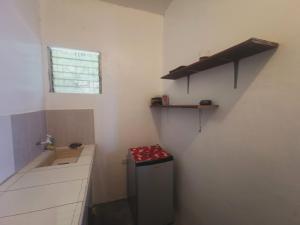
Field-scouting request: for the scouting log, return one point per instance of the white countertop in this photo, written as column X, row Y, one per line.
column 54, row 195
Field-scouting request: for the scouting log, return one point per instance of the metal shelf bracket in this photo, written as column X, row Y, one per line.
column 188, row 84
column 236, row 72
column 200, row 120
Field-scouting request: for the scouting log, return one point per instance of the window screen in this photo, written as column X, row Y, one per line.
column 74, row 71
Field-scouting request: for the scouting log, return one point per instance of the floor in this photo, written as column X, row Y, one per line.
column 113, row 213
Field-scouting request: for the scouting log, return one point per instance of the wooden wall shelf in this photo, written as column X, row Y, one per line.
column 186, row 106
column 234, row 54
column 200, row 108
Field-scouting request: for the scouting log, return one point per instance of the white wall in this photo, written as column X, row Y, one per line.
column 20, row 57
column 21, row 86
column 244, row 167
column 130, row 42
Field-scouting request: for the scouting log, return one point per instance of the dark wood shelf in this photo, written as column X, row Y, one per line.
column 245, row 49
column 186, row 106
column 200, row 108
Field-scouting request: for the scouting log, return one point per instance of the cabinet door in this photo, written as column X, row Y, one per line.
column 131, row 186
column 155, row 194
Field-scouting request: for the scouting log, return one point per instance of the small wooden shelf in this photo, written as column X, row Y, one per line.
column 234, row 54
column 186, row 106
column 200, row 108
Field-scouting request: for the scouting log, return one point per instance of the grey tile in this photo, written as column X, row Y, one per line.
column 7, row 167
column 20, row 133
column 27, row 129
column 69, row 126
column 37, row 122
column 66, row 125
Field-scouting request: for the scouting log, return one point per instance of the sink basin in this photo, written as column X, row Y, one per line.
column 61, row 156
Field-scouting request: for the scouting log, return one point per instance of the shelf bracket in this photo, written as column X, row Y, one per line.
column 200, row 120
column 188, row 84
column 236, row 72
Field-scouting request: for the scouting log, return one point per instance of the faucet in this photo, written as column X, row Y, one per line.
column 49, row 141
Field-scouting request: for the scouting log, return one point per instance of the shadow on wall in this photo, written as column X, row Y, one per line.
column 215, row 84
column 30, row 20
column 178, row 129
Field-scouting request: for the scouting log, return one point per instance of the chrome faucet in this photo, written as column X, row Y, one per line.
column 49, row 141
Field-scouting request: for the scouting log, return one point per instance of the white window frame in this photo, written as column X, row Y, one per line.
column 51, row 76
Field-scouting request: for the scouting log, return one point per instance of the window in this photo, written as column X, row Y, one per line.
column 74, row 71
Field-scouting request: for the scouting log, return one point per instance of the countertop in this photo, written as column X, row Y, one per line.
column 54, row 195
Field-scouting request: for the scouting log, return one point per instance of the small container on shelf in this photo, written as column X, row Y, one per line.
column 206, row 102
column 165, row 100
column 156, row 101
column 203, row 58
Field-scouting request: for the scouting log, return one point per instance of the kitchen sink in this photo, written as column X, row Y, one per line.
column 61, row 156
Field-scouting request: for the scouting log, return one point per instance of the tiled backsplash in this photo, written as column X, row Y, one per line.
column 19, row 134
column 27, row 130
column 7, row 165
column 69, row 126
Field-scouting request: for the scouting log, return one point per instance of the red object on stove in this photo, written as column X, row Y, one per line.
column 152, row 153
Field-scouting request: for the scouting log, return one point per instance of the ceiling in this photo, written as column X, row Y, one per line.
column 154, row 6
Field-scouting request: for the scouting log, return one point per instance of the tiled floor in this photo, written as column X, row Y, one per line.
column 113, row 213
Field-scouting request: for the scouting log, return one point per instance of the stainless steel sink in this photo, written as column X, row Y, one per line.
column 61, row 156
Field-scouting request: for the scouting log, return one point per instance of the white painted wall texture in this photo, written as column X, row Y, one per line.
column 21, row 86
column 130, row 42
column 244, row 166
